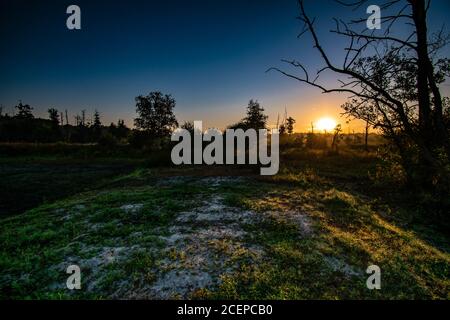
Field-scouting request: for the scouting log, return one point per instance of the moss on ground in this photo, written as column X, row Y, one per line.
column 121, row 231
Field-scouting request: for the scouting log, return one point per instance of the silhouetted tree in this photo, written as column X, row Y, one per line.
column 83, row 118
column 121, row 130
column 67, row 118
column 366, row 136
column 53, row 115
column 336, row 137
column 78, row 120
column 396, row 87
column 54, row 120
column 189, row 126
column 255, row 118
column 290, row 125
column 96, row 128
column 155, row 114
column 97, row 123
column 238, row 125
column 24, row 111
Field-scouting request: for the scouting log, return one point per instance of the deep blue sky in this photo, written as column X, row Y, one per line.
column 210, row 55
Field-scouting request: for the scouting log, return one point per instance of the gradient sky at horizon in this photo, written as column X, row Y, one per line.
column 212, row 56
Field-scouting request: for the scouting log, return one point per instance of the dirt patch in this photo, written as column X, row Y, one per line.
column 342, row 266
column 199, row 247
column 299, row 219
column 93, row 269
column 132, row 208
column 203, row 244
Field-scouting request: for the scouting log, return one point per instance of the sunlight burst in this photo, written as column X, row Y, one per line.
column 326, row 124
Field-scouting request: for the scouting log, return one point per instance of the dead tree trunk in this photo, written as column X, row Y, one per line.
column 366, row 137
column 419, row 16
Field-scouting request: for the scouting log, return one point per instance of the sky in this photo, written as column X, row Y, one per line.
column 211, row 56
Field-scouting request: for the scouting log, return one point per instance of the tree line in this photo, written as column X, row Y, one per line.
column 23, row 126
column 154, row 123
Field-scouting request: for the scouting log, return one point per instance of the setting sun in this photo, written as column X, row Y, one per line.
column 326, row 124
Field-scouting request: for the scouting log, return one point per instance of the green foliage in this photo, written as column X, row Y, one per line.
column 349, row 225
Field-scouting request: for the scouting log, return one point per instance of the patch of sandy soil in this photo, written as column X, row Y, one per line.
column 341, row 266
column 200, row 246
column 203, row 244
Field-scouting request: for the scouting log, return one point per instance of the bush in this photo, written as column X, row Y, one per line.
column 107, row 140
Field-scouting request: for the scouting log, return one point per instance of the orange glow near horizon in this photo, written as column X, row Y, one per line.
column 326, row 124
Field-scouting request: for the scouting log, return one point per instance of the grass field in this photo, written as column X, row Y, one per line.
column 137, row 232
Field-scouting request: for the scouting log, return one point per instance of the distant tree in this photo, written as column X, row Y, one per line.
column 97, row 123
column 121, row 129
column 95, row 127
column 290, row 125
column 78, row 120
column 24, row 111
column 83, row 118
column 282, row 129
column 336, row 138
column 55, row 133
column 155, row 114
column 238, row 125
column 188, row 125
column 366, row 136
column 255, row 118
column 67, row 119
column 53, row 115
column 121, row 124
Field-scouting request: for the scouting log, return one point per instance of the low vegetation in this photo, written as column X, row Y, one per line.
column 206, row 233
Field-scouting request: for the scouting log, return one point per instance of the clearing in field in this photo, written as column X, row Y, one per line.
column 157, row 234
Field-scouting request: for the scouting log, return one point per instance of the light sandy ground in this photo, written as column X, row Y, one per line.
column 202, row 245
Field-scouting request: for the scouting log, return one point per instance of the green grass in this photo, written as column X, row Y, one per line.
column 45, row 236
column 347, row 230
column 349, row 227
column 29, row 182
